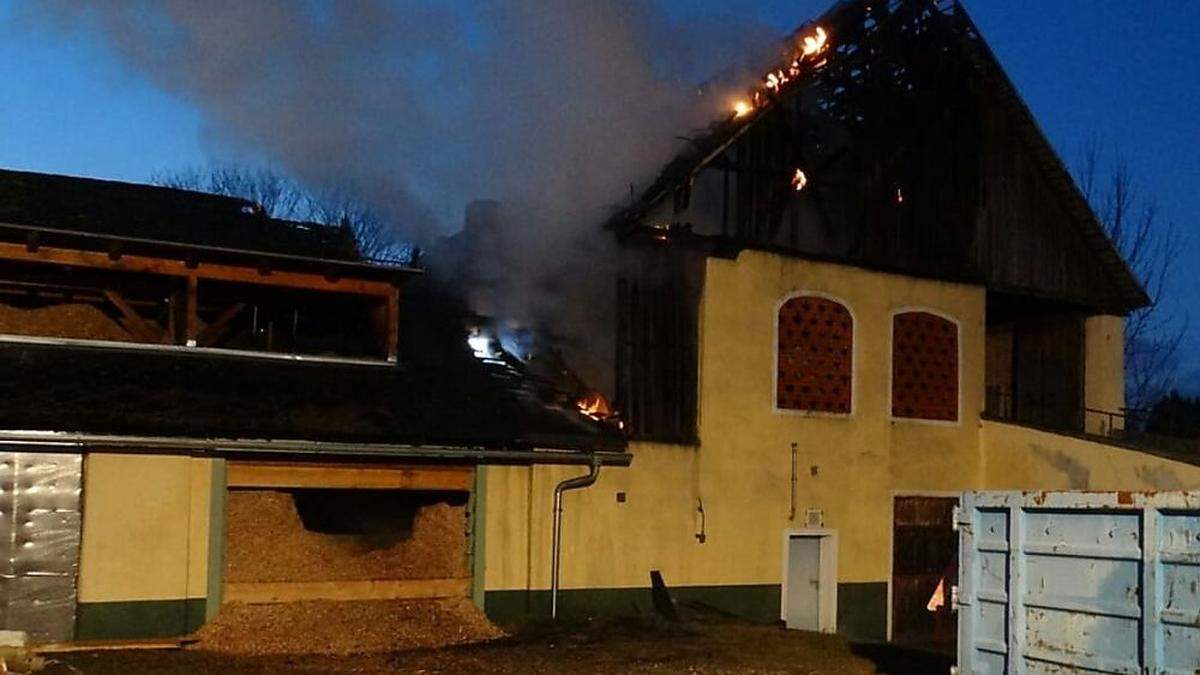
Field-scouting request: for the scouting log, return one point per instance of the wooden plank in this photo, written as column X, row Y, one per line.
column 216, row 330
column 111, row 645
column 272, row 592
column 348, row 476
column 141, row 328
column 179, row 268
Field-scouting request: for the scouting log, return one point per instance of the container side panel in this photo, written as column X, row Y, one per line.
column 1082, row 603
column 1179, row 592
column 984, row 581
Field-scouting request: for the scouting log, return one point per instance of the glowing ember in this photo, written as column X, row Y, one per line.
column 899, row 196
column 800, row 180
column 742, row 108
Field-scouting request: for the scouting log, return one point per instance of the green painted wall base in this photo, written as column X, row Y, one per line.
column 138, row 619
column 862, row 608
column 756, row 603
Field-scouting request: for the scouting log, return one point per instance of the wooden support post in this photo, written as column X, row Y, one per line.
column 393, row 325
column 191, row 321
column 385, row 320
column 184, row 322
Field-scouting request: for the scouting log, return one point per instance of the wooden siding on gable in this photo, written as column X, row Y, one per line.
column 921, row 159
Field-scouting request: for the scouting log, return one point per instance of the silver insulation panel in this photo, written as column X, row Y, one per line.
column 40, row 522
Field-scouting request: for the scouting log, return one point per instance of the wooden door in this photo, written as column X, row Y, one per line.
column 924, row 555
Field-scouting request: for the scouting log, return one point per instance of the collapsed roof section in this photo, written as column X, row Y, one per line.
column 903, row 146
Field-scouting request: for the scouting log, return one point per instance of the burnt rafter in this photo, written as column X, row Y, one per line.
column 920, row 159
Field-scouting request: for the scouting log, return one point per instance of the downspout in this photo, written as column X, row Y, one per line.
column 575, row 483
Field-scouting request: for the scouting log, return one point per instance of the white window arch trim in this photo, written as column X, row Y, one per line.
column 791, row 412
column 958, row 366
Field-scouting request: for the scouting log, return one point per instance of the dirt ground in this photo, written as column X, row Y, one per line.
column 708, row 645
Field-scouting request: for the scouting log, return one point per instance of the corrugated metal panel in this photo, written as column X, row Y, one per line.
column 39, row 542
column 1079, row 582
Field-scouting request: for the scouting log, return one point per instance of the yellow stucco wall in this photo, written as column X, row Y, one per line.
column 1019, row 458
column 606, row 544
column 848, row 467
column 1104, row 368
column 851, row 468
column 145, row 528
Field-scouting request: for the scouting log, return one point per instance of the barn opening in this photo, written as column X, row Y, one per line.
column 924, row 568
column 348, row 533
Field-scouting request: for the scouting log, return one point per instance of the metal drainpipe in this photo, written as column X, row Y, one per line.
column 568, row 484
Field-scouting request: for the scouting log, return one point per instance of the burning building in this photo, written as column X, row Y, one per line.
column 203, row 405
column 870, row 286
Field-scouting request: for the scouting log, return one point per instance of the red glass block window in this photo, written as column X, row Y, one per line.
column 816, row 351
column 924, row 367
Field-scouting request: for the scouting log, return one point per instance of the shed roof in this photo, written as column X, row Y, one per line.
column 150, row 216
column 444, row 403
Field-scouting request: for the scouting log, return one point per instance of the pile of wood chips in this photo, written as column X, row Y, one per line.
column 265, row 520
column 66, row 321
column 341, row 628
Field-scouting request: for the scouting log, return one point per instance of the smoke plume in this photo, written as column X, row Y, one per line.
column 419, row 107
column 557, row 109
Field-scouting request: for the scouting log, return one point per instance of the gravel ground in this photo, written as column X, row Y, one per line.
column 704, row 645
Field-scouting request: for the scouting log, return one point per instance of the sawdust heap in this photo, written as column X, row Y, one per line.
column 339, row 628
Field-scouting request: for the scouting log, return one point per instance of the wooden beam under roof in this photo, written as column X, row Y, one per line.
column 178, row 268
column 295, row 475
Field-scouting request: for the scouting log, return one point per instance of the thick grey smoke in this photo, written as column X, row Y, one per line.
column 419, row 106
column 555, row 108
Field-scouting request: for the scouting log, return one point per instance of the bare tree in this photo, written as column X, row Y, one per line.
column 1152, row 248
column 283, row 197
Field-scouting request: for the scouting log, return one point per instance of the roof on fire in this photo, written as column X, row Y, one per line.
column 706, row 149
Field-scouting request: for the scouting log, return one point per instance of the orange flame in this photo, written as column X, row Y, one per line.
column 810, row 45
column 595, row 406
column 815, row 44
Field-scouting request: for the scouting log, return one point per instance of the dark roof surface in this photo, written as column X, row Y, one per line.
column 148, row 212
column 118, row 392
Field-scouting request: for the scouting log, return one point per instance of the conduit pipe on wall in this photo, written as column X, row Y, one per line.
column 575, row 483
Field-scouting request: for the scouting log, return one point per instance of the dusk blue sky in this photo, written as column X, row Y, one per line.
column 1124, row 73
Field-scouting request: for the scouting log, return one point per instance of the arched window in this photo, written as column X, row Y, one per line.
column 815, row 359
column 924, row 367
